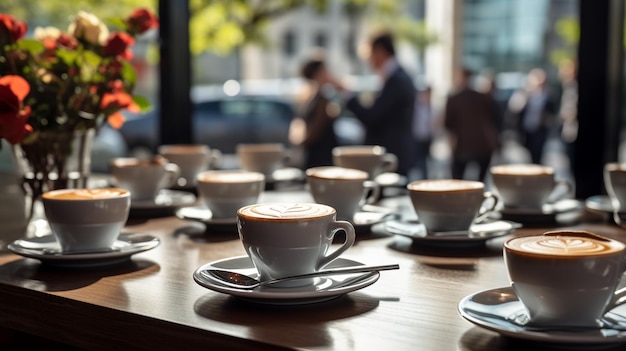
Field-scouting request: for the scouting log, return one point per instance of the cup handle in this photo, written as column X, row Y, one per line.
column 390, row 163
column 617, row 217
column 371, row 192
column 334, row 227
column 556, row 195
column 215, row 159
column 173, row 173
column 483, row 214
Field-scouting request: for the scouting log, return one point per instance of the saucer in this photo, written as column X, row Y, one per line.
column 363, row 221
column 563, row 211
column 203, row 214
column 498, row 310
column 166, row 202
column 47, row 250
column 600, row 204
column 286, row 174
column 323, row 289
column 476, row 236
column 390, row 179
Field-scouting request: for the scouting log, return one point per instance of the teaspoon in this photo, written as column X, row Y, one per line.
column 242, row 281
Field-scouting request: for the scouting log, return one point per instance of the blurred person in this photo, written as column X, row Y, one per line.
column 423, row 130
column 534, row 109
column 568, row 109
column 471, row 121
column 388, row 120
column 317, row 134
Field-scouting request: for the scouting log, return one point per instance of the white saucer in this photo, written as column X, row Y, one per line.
column 203, row 214
column 498, row 310
column 363, row 221
column 600, row 204
column 285, row 175
column 562, row 211
column 323, row 289
column 47, row 250
column 476, row 236
column 391, row 179
column 165, row 199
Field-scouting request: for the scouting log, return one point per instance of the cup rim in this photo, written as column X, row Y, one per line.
column 507, row 247
column 331, row 213
column 377, row 150
column 476, row 185
column 183, row 149
column 255, row 176
column 47, row 196
column 500, row 169
column 615, row 167
column 360, row 175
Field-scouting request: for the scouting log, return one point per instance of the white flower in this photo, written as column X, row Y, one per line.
column 89, row 28
column 42, row 33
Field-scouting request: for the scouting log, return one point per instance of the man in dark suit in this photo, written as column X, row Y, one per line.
column 388, row 120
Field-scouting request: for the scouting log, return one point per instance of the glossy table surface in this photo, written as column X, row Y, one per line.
column 151, row 302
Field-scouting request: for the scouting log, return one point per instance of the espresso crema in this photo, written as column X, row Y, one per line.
column 338, row 173
column 230, row 177
column 564, row 245
column 522, row 169
column 85, row 194
column 285, row 211
column 445, row 185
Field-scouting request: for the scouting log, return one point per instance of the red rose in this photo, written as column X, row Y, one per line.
column 118, row 44
column 67, row 41
column 113, row 102
column 13, row 127
column 141, row 20
column 11, row 29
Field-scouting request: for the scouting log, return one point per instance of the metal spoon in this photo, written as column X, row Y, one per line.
column 242, row 281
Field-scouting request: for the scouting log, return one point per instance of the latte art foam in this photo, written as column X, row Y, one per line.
column 281, row 211
column 85, row 194
column 564, row 245
column 445, row 185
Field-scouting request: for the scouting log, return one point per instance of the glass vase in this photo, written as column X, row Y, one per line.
column 51, row 161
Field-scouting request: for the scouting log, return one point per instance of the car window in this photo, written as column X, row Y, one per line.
column 272, row 111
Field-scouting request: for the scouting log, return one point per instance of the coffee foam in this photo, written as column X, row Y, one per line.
column 445, row 185
column 230, row 177
column 358, row 150
column 564, row 245
column 337, row 173
column 615, row 167
column 521, row 169
column 261, row 147
column 285, row 211
column 85, row 194
column 183, row 149
column 135, row 162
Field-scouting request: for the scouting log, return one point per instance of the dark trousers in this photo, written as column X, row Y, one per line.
column 422, row 154
column 534, row 143
column 460, row 162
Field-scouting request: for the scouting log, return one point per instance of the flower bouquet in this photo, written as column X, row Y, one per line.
column 59, row 87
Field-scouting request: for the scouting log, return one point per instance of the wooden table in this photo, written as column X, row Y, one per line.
column 152, row 302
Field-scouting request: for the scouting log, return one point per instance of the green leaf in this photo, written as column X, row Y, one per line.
column 117, row 22
column 67, row 56
column 128, row 74
column 31, row 45
column 91, row 58
column 144, row 104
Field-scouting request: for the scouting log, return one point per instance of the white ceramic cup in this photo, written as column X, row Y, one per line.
column 372, row 159
column 615, row 185
column 284, row 239
column 263, row 158
column 444, row 205
column 191, row 159
column 528, row 185
column 225, row 191
column 144, row 178
column 86, row 219
column 566, row 278
column 344, row 189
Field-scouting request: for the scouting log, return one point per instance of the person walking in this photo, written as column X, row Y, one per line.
column 318, row 136
column 388, row 121
column 423, row 131
column 534, row 109
column 471, row 122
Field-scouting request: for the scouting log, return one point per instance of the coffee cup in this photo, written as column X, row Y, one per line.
column 144, row 178
column 263, row 158
column 86, row 219
column 284, row 239
column 372, row 159
column 615, row 185
column 344, row 189
column 444, row 205
column 225, row 191
column 191, row 159
column 528, row 185
column 566, row 278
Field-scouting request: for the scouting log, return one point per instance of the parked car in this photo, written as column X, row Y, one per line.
column 220, row 123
